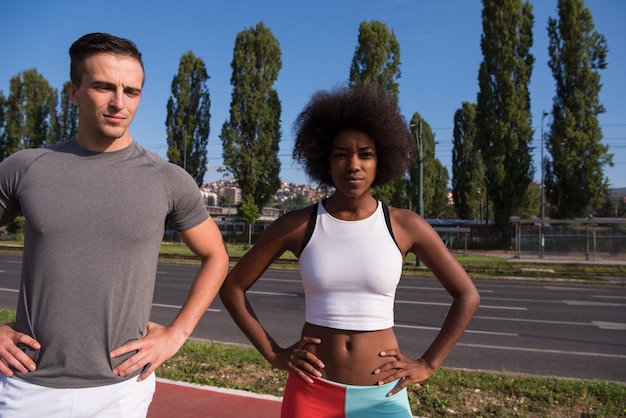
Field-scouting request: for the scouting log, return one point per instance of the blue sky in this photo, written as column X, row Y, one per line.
column 439, row 41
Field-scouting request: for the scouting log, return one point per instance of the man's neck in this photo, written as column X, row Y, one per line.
column 104, row 145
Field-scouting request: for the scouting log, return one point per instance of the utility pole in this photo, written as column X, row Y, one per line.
column 184, row 149
column 541, row 237
column 420, row 175
column 420, row 166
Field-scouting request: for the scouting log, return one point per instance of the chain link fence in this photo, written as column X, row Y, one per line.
column 592, row 239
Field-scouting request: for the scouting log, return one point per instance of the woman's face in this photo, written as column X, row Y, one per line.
column 353, row 162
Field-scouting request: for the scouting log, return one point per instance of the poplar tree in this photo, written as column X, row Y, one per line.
column 468, row 188
column 575, row 177
column 504, row 126
column 30, row 113
column 435, row 175
column 67, row 119
column 376, row 61
column 188, row 117
column 3, row 136
column 377, row 58
column 252, row 134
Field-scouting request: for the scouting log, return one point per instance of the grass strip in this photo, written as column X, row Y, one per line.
column 447, row 393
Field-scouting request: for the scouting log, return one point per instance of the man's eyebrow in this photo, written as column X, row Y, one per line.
column 133, row 89
column 98, row 83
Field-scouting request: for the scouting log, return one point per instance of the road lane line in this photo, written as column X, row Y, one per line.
column 534, row 321
column 3, row 289
column 610, row 325
column 557, row 288
column 160, row 305
column 266, row 279
column 467, row 331
column 523, row 300
column 410, row 302
column 256, row 292
column 609, row 297
column 510, row 308
column 541, row 350
column 598, row 324
column 591, row 303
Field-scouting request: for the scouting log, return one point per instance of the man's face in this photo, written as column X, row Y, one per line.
column 108, row 98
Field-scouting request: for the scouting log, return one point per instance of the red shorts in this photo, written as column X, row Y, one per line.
column 326, row 399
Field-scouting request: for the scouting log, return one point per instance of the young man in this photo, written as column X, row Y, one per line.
column 96, row 207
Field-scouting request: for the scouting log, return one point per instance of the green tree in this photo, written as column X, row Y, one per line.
column 531, row 206
column 577, row 53
column 252, row 134
column 394, row 193
column 249, row 213
column 504, row 127
column 376, row 60
column 467, row 164
column 188, row 117
column 612, row 207
column 67, row 120
column 30, row 112
column 3, row 124
column 440, row 207
column 435, row 175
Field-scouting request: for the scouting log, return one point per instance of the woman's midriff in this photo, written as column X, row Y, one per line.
column 351, row 357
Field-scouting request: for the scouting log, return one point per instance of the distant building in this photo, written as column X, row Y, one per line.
column 231, row 194
column 210, row 198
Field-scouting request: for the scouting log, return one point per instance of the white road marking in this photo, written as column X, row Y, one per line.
column 410, row 302
column 467, row 331
column 160, row 305
column 591, row 303
column 597, row 324
column 541, row 350
column 255, row 292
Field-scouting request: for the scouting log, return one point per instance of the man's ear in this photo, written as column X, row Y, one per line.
column 71, row 88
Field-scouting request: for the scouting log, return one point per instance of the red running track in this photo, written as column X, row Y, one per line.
column 185, row 400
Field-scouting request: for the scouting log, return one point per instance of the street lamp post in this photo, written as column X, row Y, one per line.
column 184, row 150
column 541, row 237
column 420, row 174
column 420, row 163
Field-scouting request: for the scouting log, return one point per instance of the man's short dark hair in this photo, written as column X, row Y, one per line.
column 96, row 43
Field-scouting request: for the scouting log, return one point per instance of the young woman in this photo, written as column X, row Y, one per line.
column 351, row 247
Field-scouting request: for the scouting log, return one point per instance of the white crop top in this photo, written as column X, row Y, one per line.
column 350, row 271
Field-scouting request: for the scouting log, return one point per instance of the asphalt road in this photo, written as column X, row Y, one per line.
column 536, row 328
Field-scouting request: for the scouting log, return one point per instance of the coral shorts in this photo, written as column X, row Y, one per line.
column 326, row 399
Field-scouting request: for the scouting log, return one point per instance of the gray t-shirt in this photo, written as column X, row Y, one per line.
column 94, row 224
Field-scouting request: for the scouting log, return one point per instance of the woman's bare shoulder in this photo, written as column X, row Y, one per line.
column 289, row 229
column 295, row 218
column 404, row 216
